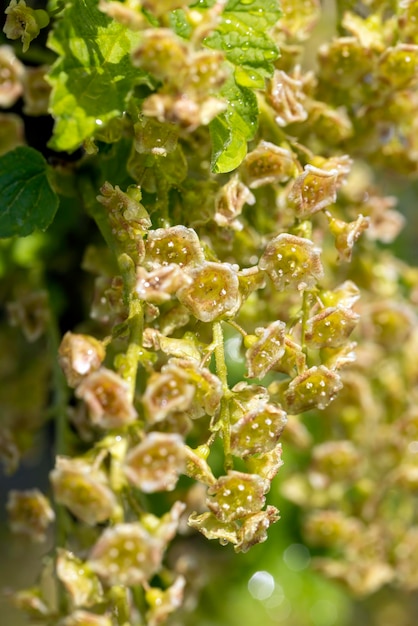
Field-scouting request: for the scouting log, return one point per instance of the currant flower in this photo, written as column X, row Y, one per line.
column 24, row 23
column 330, row 528
column 292, row 261
column 286, row 96
column 266, row 464
column 156, row 463
column 254, row 528
column 128, row 14
column 346, row 234
column 293, row 360
column 30, row 313
column 263, row 354
column 126, row 554
column 36, row 91
column 108, row 399
column 130, row 554
column 83, row 489
column 160, row 8
column 237, row 495
column 29, row 513
column 257, row 431
column 162, row 54
column 337, row 460
column 313, row 190
column 316, row 388
column 11, row 76
column 229, row 202
column 80, row 582
column 211, row 528
column 176, row 245
column 267, row 164
column 331, row 327
column 161, row 284
column 167, row 391
column 163, row 603
column 213, row 293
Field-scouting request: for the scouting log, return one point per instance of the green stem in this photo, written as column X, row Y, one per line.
column 136, row 326
column 222, row 373
column 305, row 315
column 130, row 361
column 59, row 409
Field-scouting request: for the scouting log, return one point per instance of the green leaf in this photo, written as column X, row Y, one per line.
column 27, row 200
column 242, row 35
column 179, row 24
column 231, row 130
column 229, row 145
column 93, row 76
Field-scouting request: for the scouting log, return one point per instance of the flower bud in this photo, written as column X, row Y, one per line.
column 229, row 202
column 79, row 355
column 346, row 234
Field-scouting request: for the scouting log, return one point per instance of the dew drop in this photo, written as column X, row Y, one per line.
column 261, row 584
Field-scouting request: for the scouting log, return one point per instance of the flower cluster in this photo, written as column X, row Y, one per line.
column 280, row 254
